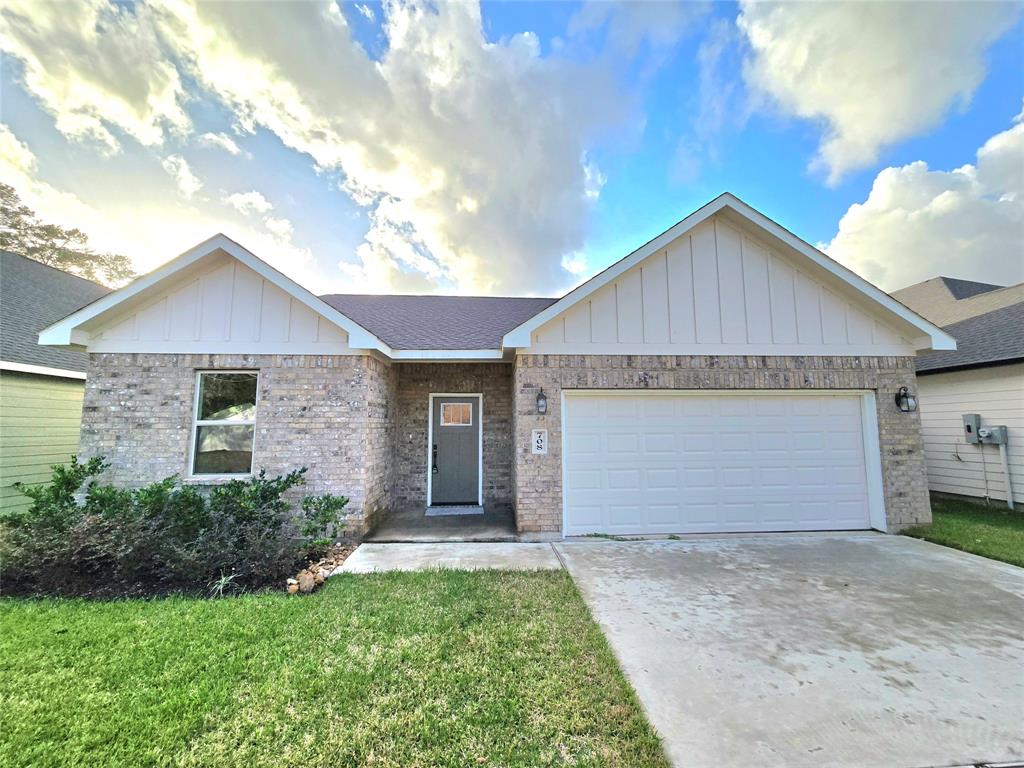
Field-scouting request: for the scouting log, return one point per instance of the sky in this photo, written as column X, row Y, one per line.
column 513, row 148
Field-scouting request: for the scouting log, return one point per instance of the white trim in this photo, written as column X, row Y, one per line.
column 440, row 355
column 224, row 347
column 480, row 447
column 41, row 370
column 689, row 350
column 869, row 422
column 291, row 348
column 197, row 422
column 521, row 336
column 873, row 462
column 62, row 333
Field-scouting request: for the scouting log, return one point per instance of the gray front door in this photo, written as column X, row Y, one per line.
column 455, row 450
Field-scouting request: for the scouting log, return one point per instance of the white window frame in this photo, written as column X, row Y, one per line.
column 443, row 423
column 197, row 423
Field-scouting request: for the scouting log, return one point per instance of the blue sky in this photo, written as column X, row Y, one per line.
column 518, row 147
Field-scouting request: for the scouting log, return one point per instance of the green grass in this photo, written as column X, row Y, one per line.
column 404, row 669
column 995, row 532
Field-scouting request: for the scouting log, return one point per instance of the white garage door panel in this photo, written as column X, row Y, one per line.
column 686, row 463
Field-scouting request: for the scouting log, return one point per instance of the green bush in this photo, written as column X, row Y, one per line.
column 79, row 537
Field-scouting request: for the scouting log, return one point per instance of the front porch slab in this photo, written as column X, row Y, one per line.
column 463, row 556
column 411, row 524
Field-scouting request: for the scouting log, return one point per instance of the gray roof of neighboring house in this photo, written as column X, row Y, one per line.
column 438, row 322
column 989, row 339
column 964, row 289
column 32, row 296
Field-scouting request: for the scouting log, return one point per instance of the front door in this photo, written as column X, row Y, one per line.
column 455, row 450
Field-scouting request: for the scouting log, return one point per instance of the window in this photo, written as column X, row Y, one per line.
column 225, row 423
column 456, row 414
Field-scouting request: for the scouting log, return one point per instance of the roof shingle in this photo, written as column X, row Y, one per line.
column 32, row 296
column 438, row 322
column 994, row 337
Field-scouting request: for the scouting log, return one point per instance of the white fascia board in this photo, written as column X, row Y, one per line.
column 66, row 332
column 934, row 337
column 447, row 354
column 41, row 370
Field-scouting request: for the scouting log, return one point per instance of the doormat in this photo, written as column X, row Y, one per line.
column 466, row 509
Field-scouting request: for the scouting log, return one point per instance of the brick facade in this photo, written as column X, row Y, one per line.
column 416, row 381
column 360, row 424
column 331, row 414
column 538, row 498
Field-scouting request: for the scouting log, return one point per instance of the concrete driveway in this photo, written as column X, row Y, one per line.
column 837, row 650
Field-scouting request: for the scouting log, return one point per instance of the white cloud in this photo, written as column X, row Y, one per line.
column 917, row 223
column 95, row 66
column 221, row 140
column 249, row 202
column 279, row 227
column 575, row 264
column 366, row 11
column 188, row 183
column 872, row 73
column 127, row 227
column 627, row 24
column 469, row 155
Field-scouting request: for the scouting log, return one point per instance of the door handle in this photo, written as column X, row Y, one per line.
column 433, row 468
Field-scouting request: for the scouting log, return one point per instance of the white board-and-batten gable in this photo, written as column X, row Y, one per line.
column 724, row 286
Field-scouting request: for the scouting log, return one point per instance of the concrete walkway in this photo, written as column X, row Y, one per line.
column 371, row 558
column 844, row 651
column 411, row 525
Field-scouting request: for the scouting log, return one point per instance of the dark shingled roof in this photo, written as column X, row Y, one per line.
column 964, row 289
column 33, row 296
column 437, row 322
column 994, row 337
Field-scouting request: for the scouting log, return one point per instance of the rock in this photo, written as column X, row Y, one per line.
column 306, row 582
column 293, row 588
column 292, row 581
column 318, row 578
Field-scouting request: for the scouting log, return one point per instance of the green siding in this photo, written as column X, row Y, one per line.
column 40, row 417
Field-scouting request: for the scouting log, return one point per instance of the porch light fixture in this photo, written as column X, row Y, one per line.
column 542, row 402
column 905, row 401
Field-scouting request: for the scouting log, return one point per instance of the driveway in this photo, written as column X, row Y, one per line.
column 831, row 650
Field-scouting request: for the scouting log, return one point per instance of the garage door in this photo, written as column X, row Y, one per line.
column 657, row 463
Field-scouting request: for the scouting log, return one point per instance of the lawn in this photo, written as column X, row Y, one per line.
column 450, row 668
column 994, row 531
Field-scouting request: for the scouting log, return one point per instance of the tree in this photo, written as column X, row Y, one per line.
column 67, row 249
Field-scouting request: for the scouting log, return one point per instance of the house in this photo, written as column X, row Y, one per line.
column 984, row 376
column 41, row 388
column 947, row 300
column 726, row 376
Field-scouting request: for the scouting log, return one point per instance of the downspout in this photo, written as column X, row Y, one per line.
column 1006, row 473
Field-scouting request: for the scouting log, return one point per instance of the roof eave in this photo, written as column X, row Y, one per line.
column 970, row 366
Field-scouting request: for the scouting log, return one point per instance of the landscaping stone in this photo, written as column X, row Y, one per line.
column 315, row 574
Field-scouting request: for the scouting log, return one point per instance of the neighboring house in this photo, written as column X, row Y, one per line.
column 40, row 387
column 984, row 375
column 726, row 376
column 947, row 300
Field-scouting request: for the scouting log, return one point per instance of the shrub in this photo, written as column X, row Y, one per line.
column 164, row 537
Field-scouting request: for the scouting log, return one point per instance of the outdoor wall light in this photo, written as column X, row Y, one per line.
column 905, row 401
column 542, row 403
